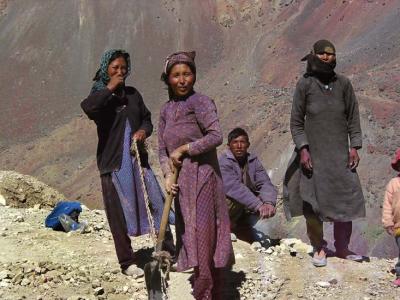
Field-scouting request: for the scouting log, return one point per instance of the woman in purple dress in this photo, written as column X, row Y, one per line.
column 188, row 135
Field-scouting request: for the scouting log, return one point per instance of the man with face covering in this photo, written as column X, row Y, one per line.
column 321, row 182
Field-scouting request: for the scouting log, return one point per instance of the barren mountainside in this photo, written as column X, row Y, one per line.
column 248, row 58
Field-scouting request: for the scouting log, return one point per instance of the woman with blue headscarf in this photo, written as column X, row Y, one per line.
column 120, row 115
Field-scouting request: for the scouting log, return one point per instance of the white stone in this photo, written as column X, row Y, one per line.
column 303, row 248
column 5, row 274
column 256, row 246
column 3, row 201
column 239, row 256
column 323, row 284
column 25, row 282
column 19, row 219
column 290, row 242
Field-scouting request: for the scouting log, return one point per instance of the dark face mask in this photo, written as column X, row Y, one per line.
column 320, row 69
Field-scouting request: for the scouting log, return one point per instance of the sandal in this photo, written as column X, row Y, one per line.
column 317, row 260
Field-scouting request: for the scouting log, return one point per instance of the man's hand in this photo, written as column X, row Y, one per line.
column 115, row 82
column 266, row 211
column 354, row 159
column 140, row 135
column 305, row 159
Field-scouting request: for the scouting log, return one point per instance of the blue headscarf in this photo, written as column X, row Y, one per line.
column 101, row 78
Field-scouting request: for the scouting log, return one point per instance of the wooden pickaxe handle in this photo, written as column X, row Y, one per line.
column 165, row 215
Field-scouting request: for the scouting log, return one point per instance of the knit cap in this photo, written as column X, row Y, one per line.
column 324, row 46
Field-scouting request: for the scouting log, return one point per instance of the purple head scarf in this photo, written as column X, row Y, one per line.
column 179, row 57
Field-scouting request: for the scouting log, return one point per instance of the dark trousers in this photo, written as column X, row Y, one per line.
column 397, row 266
column 116, row 221
column 240, row 223
column 341, row 230
column 246, row 225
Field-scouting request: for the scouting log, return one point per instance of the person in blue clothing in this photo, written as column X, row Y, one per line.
column 121, row 115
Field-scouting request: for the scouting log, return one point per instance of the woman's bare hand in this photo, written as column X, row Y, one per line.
column 177, row 155
column 140, row 135
column 354, row 159
column 305, row 159
column 115, row 82
column 170, row 186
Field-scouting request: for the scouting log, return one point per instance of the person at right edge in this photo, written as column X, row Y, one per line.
column 391, row 210
column 321, row 181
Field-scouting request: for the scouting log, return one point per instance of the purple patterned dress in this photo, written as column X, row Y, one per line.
column 202, row 220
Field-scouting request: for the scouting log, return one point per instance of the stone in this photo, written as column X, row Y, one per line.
column 270, row 250
column 290, row 242
column 3, row 201
column 18, row 278
column 255, row 246
column 25, row 282
column 5, row 274
column 98, row 291
column 238, row 256
column 96, row 283
column 333, row 281
column 283, row 247
column 303, row 248
column 323, row 284
column 19, row 219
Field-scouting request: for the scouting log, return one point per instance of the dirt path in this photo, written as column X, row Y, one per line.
column 38, row 263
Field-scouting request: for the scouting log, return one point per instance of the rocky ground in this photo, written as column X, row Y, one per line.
column 39, row 263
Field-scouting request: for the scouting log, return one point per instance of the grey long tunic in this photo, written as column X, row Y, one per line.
column 325, row 118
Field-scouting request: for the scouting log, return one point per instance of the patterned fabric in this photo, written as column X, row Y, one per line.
column 205, row 225
column 128, row 184
column 102, row 77
column 179, row 57
column 201, row 205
